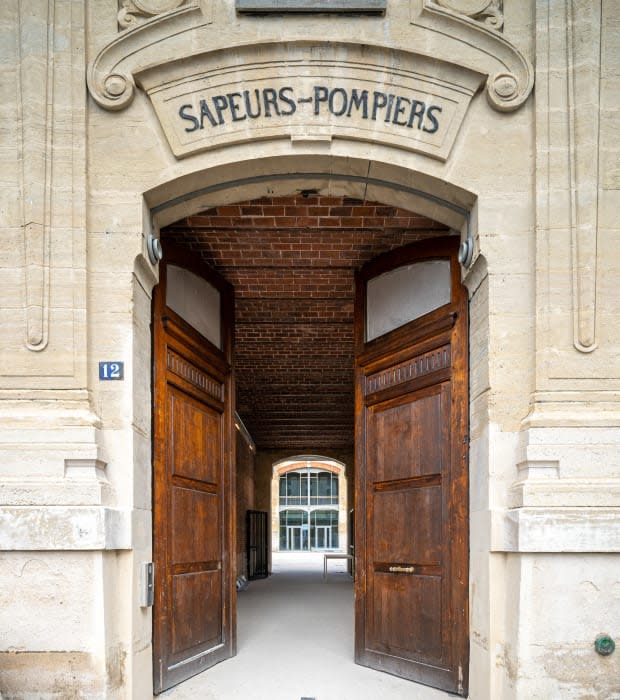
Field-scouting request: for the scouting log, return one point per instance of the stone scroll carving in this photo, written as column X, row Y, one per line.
column 473, row 26
column 135, row 12
column 488, row 12
column 149, row 23
column 462, row 33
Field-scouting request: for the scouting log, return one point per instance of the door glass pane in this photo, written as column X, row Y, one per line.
column 402, row 295
column 293, row 489
column 325, row 482
column 196, row 301
column 313, row 488
column 293, row 530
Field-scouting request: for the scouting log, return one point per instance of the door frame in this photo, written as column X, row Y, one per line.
column 443, row 200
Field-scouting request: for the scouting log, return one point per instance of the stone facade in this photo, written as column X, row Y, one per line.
column 498, row 120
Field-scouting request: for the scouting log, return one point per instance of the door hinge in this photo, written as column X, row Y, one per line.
column 147, row 584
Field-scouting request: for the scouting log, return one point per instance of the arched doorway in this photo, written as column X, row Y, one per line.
column 391, row 241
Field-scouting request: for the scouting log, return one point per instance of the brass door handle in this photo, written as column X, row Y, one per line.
column 401, row 569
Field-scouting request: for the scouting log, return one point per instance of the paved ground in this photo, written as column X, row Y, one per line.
column 295, row 640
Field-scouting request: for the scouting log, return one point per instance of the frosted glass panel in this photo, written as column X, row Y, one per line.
column 196, row 301
column 402, row 295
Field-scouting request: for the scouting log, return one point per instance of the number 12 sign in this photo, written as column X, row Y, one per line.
column 111, row 370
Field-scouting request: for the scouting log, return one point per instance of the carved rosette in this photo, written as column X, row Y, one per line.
column 115, row 91
column 505, row 93
column 135, row 12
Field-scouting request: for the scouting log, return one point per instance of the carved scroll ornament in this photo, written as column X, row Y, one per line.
column 134, row 12
column 461, row 32
column 474, row 24
column 488, row 12
column 148, row 23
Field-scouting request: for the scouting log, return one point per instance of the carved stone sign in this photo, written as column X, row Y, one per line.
column 310, row 5
column 365, row 94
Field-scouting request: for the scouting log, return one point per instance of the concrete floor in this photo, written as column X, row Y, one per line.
column 295, row 640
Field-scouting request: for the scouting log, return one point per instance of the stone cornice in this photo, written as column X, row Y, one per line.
column 437, row 32
column 110, row 76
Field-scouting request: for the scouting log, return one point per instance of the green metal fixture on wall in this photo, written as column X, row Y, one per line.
column 604, row 645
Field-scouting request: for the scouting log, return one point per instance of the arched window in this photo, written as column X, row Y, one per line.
column 309, row 495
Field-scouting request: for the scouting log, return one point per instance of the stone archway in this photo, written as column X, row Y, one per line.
column 330, row 182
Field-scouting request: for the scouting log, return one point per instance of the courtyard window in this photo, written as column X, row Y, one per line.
column 310, row 487
column 309, row 506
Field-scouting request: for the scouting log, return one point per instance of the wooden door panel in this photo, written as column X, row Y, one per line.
column 418, row 542
column 182, row 362
column 196, row 438
column 196, row 595
column 398, row 634
column 404, row 436
column 195, row 526
column 257, row 544
column 411, row 486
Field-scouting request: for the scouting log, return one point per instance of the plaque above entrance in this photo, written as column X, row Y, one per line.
column 311, row 93
column 373, row 6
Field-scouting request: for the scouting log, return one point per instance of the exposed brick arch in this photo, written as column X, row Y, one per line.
column 315, row 463
column 292, row 262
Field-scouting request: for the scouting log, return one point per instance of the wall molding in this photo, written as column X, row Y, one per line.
column 583, row 46
column 35, row 104
column 64, row 528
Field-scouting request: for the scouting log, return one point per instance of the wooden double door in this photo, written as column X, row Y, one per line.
column 411, row 508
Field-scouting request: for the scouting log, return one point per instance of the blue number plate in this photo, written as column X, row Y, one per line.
column 110, row 370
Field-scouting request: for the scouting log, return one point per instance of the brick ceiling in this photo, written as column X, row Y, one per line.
column 291, row 261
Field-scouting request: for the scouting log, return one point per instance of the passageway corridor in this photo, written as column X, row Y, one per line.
column 295, row 640
column 310, row 297
column 291, row 261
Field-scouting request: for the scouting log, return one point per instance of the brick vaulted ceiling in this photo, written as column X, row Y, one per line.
column 292, row 261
